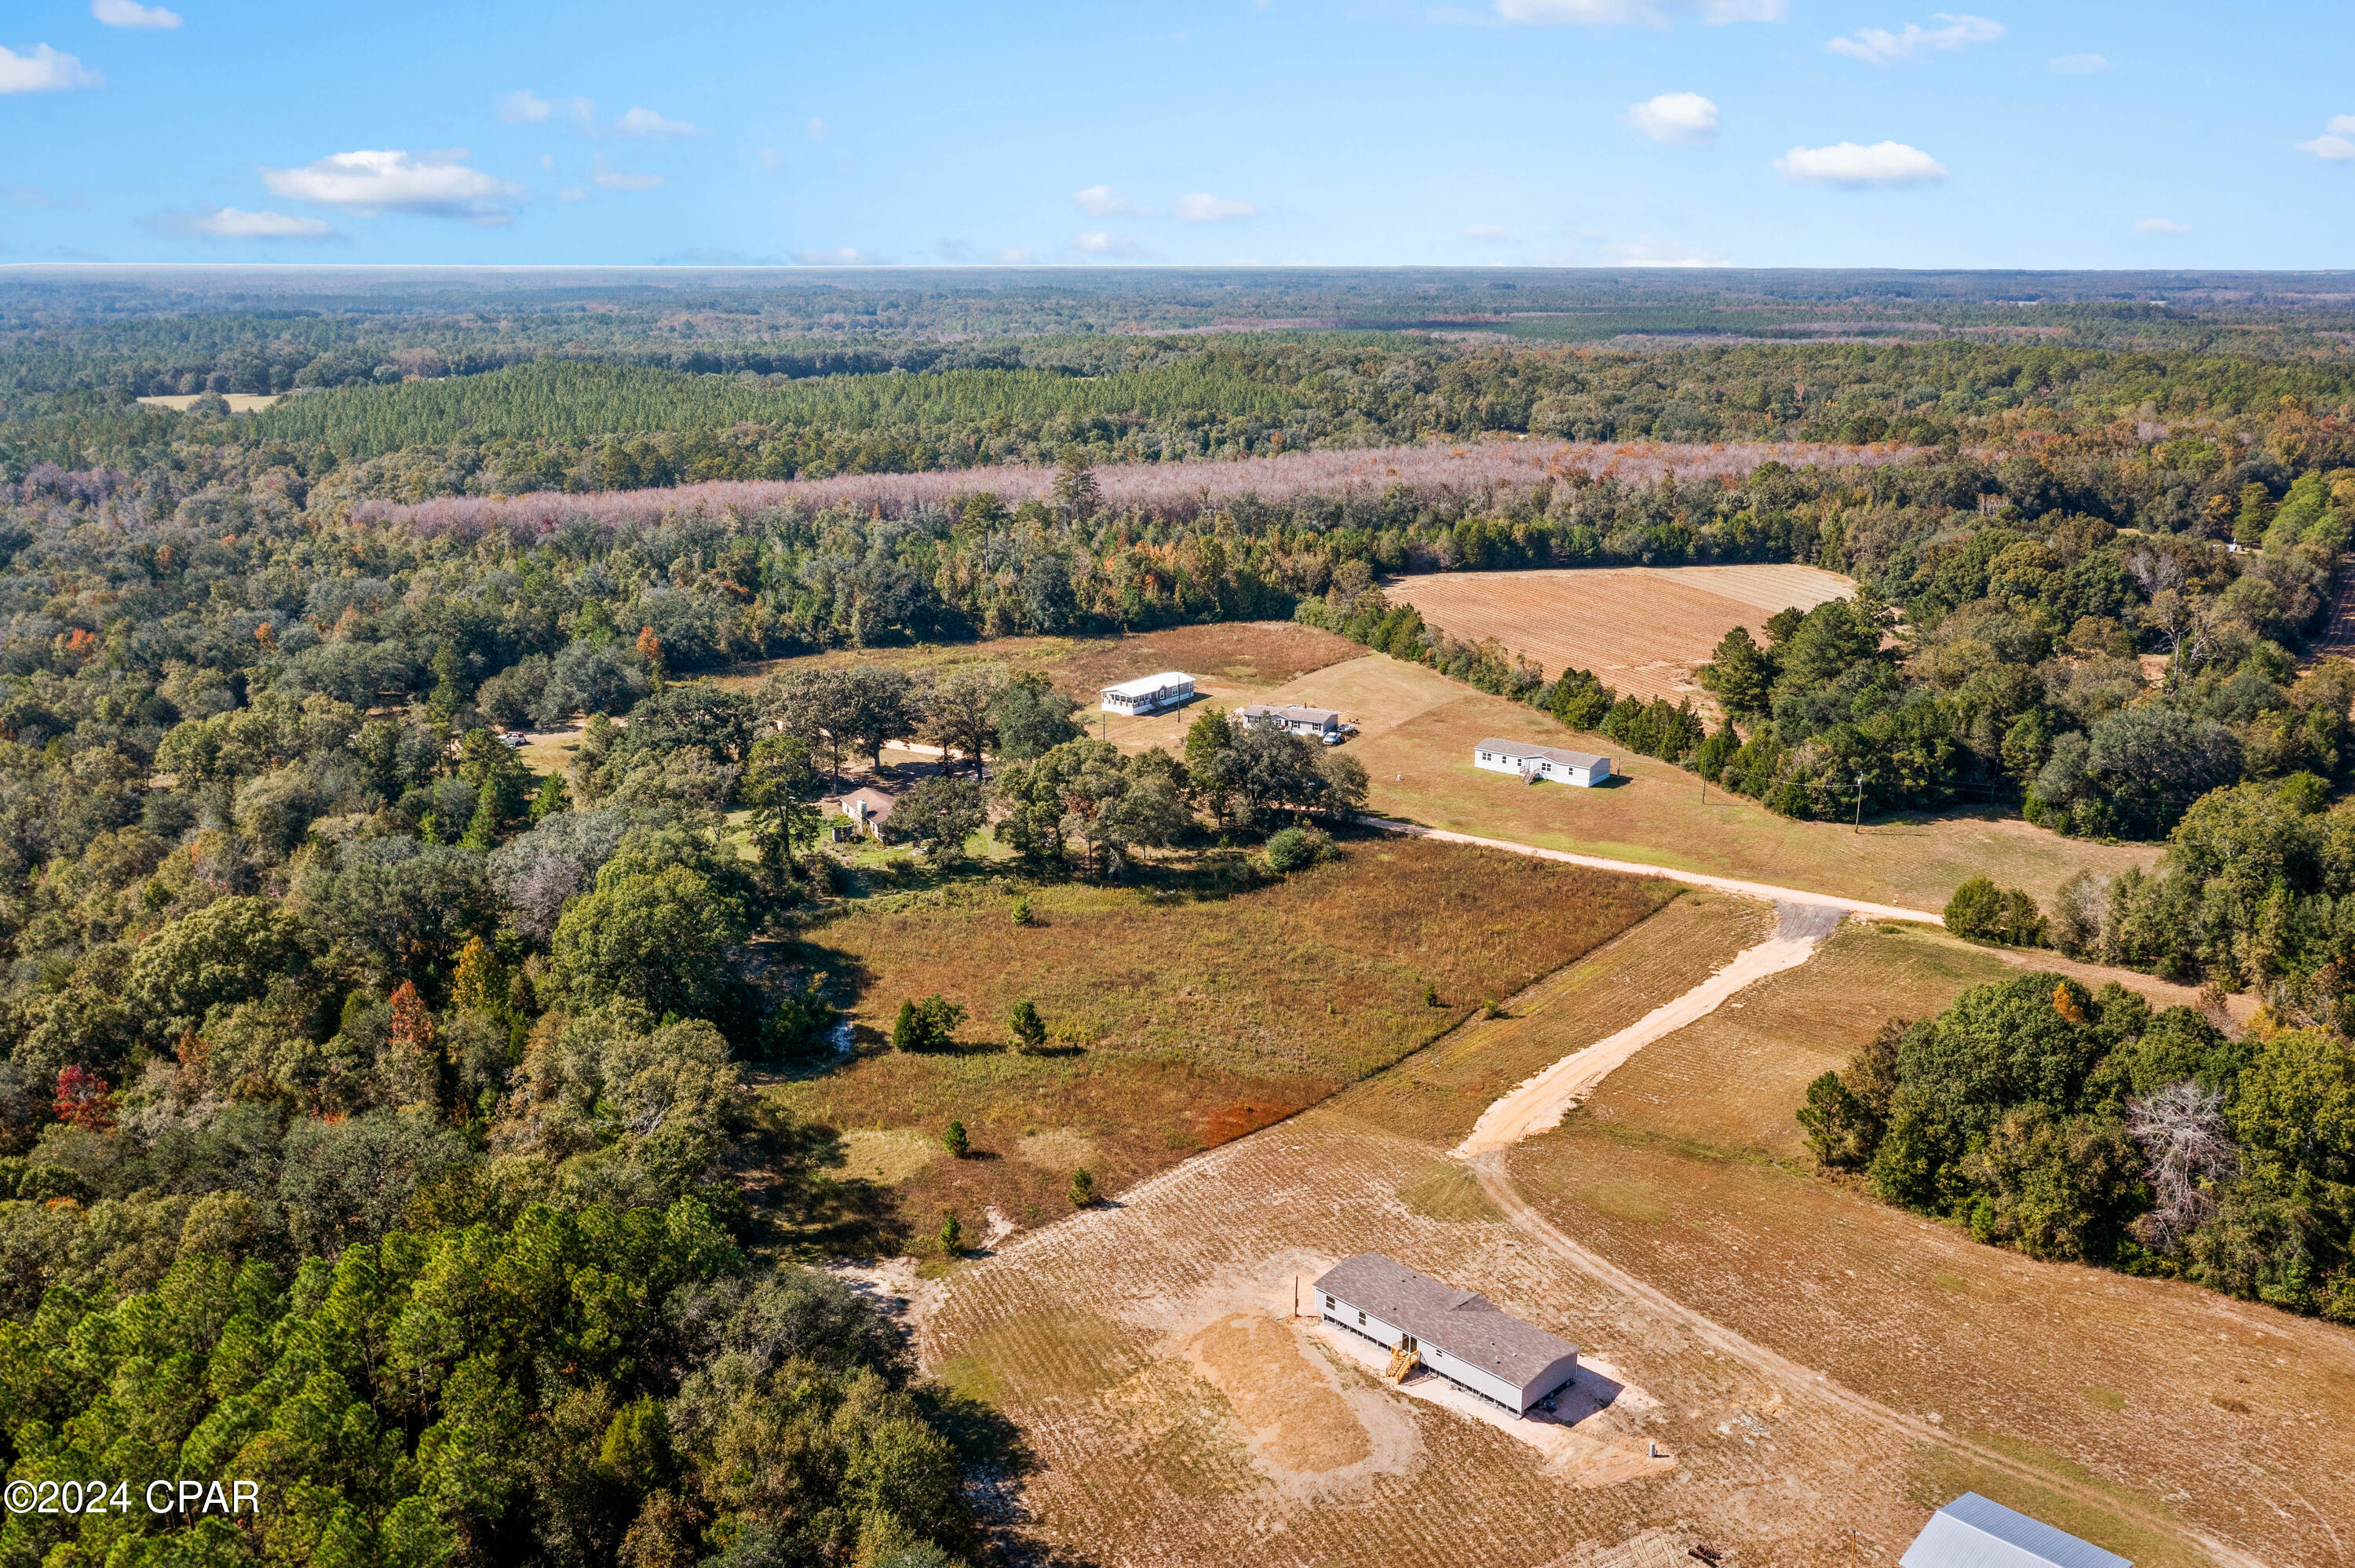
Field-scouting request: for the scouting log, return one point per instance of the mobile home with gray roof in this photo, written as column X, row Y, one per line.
column 1460, row 1334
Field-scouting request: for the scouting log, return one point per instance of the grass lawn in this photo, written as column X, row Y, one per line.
column 1184, row 1018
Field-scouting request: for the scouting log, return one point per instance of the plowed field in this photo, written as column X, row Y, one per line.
column 1644, row 630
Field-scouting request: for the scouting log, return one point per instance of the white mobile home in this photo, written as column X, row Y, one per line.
column 1536, row 762
column 1149, row 693
column 1460, row 1334
column 1317, row 724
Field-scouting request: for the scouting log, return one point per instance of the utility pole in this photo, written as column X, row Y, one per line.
column 1860, row 802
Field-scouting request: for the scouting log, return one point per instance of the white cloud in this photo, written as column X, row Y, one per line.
column 2333, row 147
column 2341, row 126
column 2160, row 226
column 43, row 70
column 846, row 256
column 431, row 184
column 572, row 193
column 130, row 14
column 646, row 123
column 1682, row 119
column 1878, row 46
column 1647, row 13
column 233, row 223
column 525, row 107
column 817, row 128
column 2078, row 65
column 1102, row 201
column 609, row 179
column 1099, row 243
column 1653, row 251
column 1852, row 164
column 772, row 159
column 1486, row 231
column 1203, row 207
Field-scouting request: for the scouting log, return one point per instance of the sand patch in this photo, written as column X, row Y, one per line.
column 884, row 1157
column 1306, row 1427
column 1058, row 1149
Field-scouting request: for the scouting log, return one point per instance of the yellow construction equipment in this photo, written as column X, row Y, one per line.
column 1403, row 1361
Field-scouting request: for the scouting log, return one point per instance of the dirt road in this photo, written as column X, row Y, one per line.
column 1696, row 878
column 1541, row 1102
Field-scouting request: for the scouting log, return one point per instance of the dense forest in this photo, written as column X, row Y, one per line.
column 373, row 1112
column 2088, row 1128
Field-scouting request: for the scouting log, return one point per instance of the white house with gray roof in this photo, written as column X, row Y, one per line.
column 1460, row 1334
column 1536, row 762
column 1973, row 1532
column 1317, row 724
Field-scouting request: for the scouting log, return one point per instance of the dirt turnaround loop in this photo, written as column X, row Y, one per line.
column 1541, row 1102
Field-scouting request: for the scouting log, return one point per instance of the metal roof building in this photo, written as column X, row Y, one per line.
column 1148, row 694
column 1534, row 762
column 1973, row 1532
column 1460, row 1334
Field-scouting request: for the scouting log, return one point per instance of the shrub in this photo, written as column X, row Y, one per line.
column 926, row 1025
column 952, row 1235
column 1431, row 995
column 1982, row 912
column 1022, row 915
column 1295, row 849
column 1030, row 1031
column 955, row 1141
column 1084, row 1187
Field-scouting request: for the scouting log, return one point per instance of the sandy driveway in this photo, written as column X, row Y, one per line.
column 1540, row 1103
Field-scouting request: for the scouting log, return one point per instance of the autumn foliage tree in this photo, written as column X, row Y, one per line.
column 84, row 1100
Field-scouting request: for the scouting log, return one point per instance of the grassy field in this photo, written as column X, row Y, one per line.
column 1644, row 630
column 1418, row 730
column 1147, row 1355
column 1182, row 1021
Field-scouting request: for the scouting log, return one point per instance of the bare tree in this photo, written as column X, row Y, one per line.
column 2183, row 1135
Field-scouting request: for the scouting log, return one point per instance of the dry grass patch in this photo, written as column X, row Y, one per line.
column 1644, row 630
column 1438, row 1094
column 886, row 1156
column 1244, row 654
column 1448, row 1191
column 1205, row 1020
column 1920, row 1316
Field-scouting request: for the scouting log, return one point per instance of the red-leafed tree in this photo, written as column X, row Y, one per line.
column 85, row 1100
column 412, row 1021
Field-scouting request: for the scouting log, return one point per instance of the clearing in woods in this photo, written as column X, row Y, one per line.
column 1178, row 1019
column 1417, row 730
column 1708, row 1283
column 1643, row 630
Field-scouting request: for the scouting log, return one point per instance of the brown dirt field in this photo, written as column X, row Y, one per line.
column 1418, row 730
column 1204, row 1020
column 238, row 402
column 1015, row 653
column 1644, row 630
column 1244, row 655
column 2092, row 1376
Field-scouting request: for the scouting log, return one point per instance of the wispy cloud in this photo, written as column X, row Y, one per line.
column 607, row 178
column 525, row 107
column 1679, row 119
column 1117, row 246
column 130, row 14
column 1654, row 251
column 1203, row 207
column 772, row 159
column 233, row 223
column 1857, row 167
column 817, row 128
column 2160, row 226
column 428, row 185
column 574, row 194
column 1489, row 233
column 44, row 70
column 1878, row 46
column 2078, row 65
column 640, row 122
column 1641, row 12
column 1102, row 201
column 35, row 197
column 2336, row 143
column 843, row 255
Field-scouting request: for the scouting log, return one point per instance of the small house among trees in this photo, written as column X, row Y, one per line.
column 1536, row 762
column 869, row 808
column 1149, row 693
column 1460, row 1334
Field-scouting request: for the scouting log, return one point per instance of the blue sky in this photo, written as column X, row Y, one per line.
column 1594, row 133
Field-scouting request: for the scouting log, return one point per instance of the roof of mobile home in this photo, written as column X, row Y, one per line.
column 1973, row 1532
column 1551, row 753
column 1464, row 1323
column 1145, row 685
